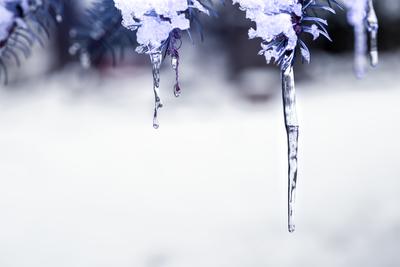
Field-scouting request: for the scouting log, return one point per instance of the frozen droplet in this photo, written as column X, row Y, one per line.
column 292, row 129
column 156, row 60
column 155, row 122
column 177, row 90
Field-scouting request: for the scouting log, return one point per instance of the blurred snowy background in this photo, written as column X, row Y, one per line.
column 86, row 181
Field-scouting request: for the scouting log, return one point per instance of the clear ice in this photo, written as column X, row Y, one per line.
column 373, row 26
column 292, row 129
column 156, row 60
column 175, row 66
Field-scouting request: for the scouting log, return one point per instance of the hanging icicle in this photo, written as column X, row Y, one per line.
column 373, row 26
column 292, row 130
column 156, row 60
column 158, row 25
column 361, row 15
column 280, row 24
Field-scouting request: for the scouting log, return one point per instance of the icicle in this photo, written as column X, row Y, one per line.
column 156, row 59
column 175, row 66
column 360, row 50
column 292, row 129
column 175, row 43
column 373, row 26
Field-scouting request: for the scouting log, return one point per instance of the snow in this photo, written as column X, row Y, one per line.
column 86, row 180
column 273, row 19
column 154, row 29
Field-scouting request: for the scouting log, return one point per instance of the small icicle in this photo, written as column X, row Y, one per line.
column 373, row 26
column 174, row 45
column 292, row 129
column 175, row 66
column 360, row 39
column 156, row 59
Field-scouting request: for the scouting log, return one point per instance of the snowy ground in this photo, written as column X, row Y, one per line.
column 87, row 182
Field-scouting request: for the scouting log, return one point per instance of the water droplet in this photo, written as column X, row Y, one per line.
column 177, row 90
column 155, row 123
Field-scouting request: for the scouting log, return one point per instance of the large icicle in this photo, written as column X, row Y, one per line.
column 281, row 24
column 360, row 41
column 373, row 26
column 156, row 60
column 292, row 129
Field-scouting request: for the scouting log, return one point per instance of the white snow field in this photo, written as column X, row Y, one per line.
column 85, row 181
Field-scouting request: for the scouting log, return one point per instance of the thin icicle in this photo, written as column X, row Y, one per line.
column 360, row 63
column 292, row 129
column 175, row 66
column 156, row 60
column 361, row 15
column 373, row 26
